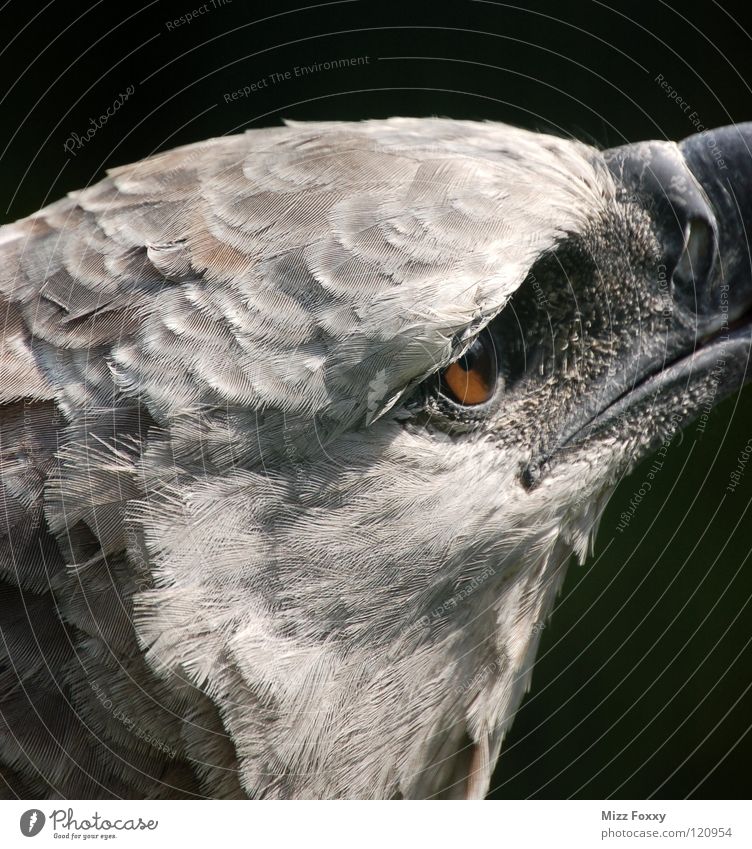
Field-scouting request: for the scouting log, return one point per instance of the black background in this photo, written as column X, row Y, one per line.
column 642, row 682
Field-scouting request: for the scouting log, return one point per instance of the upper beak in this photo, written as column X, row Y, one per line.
column 700, row 192
column 721, row 162
column 700, row 196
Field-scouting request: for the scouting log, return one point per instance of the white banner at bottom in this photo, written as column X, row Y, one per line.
column 454, row 825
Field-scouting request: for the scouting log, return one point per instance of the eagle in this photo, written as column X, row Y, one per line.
column 299, row 429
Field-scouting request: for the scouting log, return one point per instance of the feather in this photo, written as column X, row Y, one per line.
column 208, row 519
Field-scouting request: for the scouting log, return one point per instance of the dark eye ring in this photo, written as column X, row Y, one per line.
column 471, row 380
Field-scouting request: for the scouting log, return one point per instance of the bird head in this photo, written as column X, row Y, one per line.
column 484, row 330
column 394, row 371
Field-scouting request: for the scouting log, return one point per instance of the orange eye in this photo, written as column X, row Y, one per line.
column 471, row 380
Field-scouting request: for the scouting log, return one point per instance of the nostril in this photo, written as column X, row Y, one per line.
column 692, row 277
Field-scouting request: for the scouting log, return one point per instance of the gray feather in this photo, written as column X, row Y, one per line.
column 199, row 359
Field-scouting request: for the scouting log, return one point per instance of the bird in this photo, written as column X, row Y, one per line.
column 300, row 428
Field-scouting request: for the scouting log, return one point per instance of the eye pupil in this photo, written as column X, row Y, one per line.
column 471, row 379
